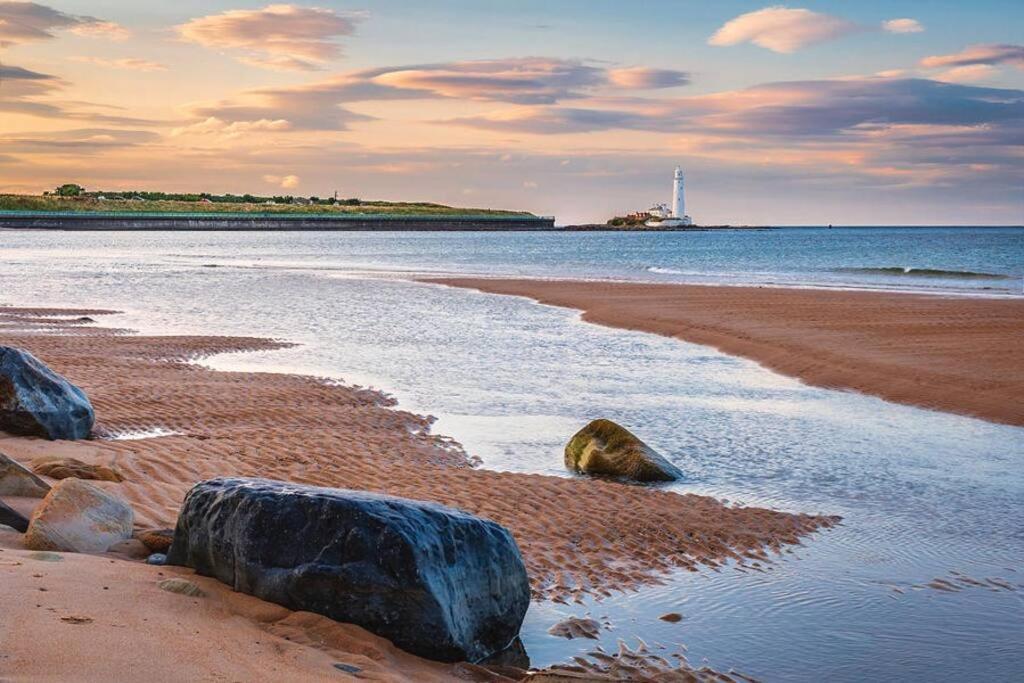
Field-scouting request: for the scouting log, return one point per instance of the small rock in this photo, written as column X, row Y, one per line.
column 36, row 401
column 157, row 559
column 79, row 517
column 347, row 668
column 131, row 548
column 181, row 587
column 157, row 540
column 45, row 557
column 672, row 617
column 13, row 518
column 76, row 620
column 603, row 447
column 17, row 480
column 576, row 627
column 65, row 468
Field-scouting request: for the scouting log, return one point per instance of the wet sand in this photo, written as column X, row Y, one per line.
column 578, row 536
column 954, row 354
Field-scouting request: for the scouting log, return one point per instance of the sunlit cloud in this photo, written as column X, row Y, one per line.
column 992, row 54
column 904, row 25
column 967, row 74
column 278, row 36
column 287, row 182
column 782, row 29
column 24, row 22
column 128, row 63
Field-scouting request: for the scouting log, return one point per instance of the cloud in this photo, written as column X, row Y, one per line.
column 902, row 26
column 287, row 182
column 278, row 36
column 24, row 22
column 842, row 106
column 102, row 29
column 782, row 29
column 524, row 81
column 966, row 74
column 82, row 141
column 129, row 63
column 644, row 78
column 991, row 54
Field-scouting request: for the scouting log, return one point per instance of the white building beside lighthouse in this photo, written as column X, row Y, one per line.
column 672, row 216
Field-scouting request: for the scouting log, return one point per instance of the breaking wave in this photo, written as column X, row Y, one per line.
column 927, row 272
column 664, row 271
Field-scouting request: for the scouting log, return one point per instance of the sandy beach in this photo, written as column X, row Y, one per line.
column 578, row 536
column 955, row 354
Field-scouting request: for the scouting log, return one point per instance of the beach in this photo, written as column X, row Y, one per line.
column 323, row 358
column 956, row 354
column 579, row 537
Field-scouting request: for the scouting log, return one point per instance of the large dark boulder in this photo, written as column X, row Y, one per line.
column 606, row 448
column 36, row 401
column 435, row 581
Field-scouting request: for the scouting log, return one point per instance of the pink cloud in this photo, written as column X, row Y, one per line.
column 782, row 29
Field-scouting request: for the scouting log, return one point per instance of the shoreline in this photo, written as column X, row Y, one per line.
column 579, row 537
column 953, row 354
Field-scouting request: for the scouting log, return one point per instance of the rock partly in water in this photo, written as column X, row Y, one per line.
column 13, row 518
column 66, row 468
column 36, row 401
column 80, row 517
column 605, row 448
column 157, row 540
column 437, row 582
column 17, row 480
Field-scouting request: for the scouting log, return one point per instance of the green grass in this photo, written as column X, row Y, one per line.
column 18, row 202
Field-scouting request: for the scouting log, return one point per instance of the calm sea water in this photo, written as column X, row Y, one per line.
column 924, row 495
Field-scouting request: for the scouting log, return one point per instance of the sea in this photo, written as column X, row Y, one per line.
column 923, row 580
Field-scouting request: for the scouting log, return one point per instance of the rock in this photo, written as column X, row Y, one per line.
column 576, row 627
column 603, row 447
column 672, row 617
column 13, row 518
column 181, row 587
column 157, row 540
column 17, row 480
column 36, row 401
column 80, row 517
column 157, row 559
column 65, row 468
column 437, row 582
column 132, row 548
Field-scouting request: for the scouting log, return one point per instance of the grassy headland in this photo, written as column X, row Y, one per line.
column 152, row 202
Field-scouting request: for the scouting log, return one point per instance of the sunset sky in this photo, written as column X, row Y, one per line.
column 838, row 112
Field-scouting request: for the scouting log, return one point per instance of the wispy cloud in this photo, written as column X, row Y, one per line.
column 782, row 29
column 24, row 22
column 128, row 63
column 990, row 54
column 278, row 36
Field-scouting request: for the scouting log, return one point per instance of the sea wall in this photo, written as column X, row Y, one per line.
column 286, row 222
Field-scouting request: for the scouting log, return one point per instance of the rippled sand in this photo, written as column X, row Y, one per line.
column 578, row 536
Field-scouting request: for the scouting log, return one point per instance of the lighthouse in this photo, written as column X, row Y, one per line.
column 678, row 195
column 674, row 216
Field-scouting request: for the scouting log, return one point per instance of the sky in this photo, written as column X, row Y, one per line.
column 869, row 112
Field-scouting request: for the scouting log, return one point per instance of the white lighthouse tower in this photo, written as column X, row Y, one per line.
column 678, row 195
column 673, row 216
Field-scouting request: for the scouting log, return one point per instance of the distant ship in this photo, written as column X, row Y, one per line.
column 675, row 217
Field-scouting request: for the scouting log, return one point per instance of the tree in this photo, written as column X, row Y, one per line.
column 70, row 190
